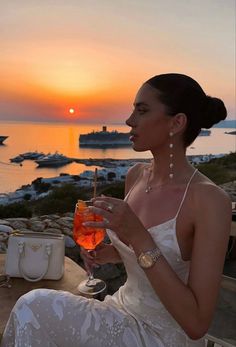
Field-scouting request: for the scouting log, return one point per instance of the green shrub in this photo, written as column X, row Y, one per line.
column 39, row 186
column 15, row 210
column 60, row 200
column 216, row 173
column 228, row 160
column 27, row 196
column 115, row 190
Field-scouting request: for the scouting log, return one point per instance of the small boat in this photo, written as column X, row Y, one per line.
column 32, row 155
column 53, row 160
column 2, row 139
column 231, row 132
column 205, row 132
column 17, row 159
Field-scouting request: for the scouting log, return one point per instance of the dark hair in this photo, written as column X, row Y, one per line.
column 181, row 93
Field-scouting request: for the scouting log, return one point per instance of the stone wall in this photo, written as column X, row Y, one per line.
column 230, row 188
column 114, row 275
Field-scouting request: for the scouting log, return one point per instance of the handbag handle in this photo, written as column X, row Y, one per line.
column 48, row 251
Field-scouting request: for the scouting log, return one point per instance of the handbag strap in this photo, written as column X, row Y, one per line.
column 48, row 252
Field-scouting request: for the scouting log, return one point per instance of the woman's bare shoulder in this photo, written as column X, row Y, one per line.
column 210, row 197
column 203, row 187
column 137, row 168
column 133, row 173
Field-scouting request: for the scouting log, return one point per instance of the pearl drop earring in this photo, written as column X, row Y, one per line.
column 171, row 146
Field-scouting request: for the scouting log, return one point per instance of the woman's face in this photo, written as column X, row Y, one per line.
column 149, row 122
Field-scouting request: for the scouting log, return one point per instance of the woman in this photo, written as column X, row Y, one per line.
column 170, row 233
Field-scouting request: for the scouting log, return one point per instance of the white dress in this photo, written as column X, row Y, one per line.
column 132, row 317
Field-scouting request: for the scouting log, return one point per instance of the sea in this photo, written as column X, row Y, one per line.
column 64, row 138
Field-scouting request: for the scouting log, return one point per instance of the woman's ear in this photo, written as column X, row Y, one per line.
column 178, row 123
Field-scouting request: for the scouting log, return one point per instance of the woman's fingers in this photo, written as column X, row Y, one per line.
column 107, row 254
column 85, row 254
column 108, row 204
column 88, row 258
column 104, row 224
column 100, row 211
column 98, row 224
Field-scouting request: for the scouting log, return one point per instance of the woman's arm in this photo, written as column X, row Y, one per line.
column 192, row 305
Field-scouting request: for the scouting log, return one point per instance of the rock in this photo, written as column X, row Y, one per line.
column 34, row 219
column 17, row 219
column 53, row 230
column 65, row 222
column 47, row 221
column 230, row 188
column 4, row 222
column 5, row 229
column 52, row 224
column 18, row 225
column 37, row 226
column 69, row 242
column 47, row 216
column 67, row 219
column 26, row 230
column 52, row 216
column 67, row 231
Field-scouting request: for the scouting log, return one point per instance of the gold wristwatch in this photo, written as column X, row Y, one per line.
column 149, row 258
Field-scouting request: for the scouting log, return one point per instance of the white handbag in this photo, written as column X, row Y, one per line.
column 35, row 256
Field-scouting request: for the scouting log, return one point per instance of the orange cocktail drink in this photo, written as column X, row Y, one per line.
column 87, row 237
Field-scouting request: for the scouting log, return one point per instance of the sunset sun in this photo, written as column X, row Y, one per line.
column 71, row 111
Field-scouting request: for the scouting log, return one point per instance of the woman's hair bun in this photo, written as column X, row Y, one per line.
column 215, row 111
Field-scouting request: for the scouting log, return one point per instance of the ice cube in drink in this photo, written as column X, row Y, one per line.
column 86, row 237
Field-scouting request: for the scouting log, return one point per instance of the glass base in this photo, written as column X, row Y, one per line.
column 91, row 286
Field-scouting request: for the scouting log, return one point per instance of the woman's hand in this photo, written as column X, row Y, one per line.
column 103, row 254
column 106, row 253
column 119, row 217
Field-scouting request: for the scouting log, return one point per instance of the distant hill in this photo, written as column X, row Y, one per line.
column 226, row 124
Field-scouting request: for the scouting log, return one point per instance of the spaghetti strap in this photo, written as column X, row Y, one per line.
column 185, row 193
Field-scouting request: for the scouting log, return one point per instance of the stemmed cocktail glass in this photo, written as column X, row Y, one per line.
column 88, row 238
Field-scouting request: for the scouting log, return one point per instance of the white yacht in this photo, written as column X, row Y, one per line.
column 52, row 160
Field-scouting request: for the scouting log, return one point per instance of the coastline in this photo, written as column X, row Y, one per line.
column 111, row 170
column 51, row 138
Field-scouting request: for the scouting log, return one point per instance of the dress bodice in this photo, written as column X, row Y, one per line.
column 137, row 294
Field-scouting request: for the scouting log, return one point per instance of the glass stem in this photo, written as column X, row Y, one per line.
column 90, row 270
column 90, row 276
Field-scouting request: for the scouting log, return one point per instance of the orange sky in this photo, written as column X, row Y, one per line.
column 93, row 56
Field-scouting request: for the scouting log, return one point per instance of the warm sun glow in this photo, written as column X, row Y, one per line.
column 71, row 111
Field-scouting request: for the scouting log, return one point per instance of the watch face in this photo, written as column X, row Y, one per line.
column 146, row 260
